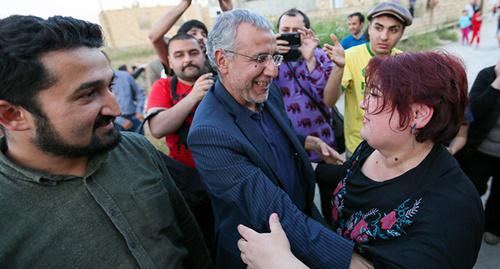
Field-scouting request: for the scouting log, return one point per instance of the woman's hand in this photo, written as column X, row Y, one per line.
column 267, row 250
column 327, row 153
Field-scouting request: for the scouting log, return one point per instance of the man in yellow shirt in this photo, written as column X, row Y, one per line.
column 387, row 25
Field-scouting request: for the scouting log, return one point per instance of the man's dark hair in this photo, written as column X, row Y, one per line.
column 182, row 36
column 23, row 40
column 294, row 12
column 192, row 24
column 359, row 15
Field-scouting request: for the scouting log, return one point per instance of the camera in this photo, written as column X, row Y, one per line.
column 294, row 53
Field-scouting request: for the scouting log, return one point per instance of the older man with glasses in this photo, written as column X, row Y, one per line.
column 250, row 159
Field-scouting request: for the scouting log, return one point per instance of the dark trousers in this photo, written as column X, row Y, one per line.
column 479, row 167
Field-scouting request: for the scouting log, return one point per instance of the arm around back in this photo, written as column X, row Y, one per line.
column 242, row 193
column 244, row 190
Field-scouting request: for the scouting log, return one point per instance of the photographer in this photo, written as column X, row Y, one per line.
column 178, row 96
column 302, row 78
column 175, row 100
column 303, row 75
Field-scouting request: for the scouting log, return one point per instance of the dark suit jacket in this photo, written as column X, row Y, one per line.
column 238, row 170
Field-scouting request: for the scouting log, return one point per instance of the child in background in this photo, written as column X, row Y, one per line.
column 476, row 26
column 465, row 24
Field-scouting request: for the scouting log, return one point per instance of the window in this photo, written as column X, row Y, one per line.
column 336, row 3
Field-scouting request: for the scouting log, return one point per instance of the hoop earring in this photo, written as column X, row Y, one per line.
column 413, row 134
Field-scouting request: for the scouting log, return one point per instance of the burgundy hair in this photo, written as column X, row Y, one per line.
column 435, row 78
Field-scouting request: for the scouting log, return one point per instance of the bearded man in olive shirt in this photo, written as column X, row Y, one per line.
column 67, row 194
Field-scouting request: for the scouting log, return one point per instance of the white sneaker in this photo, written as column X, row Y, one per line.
column 491, row 238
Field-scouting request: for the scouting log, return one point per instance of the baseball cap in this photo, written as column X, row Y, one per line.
column 391, row 8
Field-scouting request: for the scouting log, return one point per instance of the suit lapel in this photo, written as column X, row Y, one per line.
column 247, row 126
column 251, row 132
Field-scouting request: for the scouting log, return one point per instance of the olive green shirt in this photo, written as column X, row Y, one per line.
column 125, row 212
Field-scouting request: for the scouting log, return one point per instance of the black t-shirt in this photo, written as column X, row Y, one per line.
column 429, row 217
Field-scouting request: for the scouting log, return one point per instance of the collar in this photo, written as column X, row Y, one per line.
column 15, row 171
column 256, row 115
column 393, row 50
column 226, row 99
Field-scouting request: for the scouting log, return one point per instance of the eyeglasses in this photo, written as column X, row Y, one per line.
column 262, row 60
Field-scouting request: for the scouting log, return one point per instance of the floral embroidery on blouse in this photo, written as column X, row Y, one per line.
column 363, row 227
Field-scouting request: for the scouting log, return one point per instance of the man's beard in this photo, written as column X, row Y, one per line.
column 191, row 76
column 48, row 140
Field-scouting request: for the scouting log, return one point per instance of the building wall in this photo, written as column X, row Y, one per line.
column 275, row 7
column 129, row 27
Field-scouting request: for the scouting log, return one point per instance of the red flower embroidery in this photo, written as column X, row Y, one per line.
column 335, row 212
column 388, row 220
column 362, row 239
column 339, row 186
column 359, row 229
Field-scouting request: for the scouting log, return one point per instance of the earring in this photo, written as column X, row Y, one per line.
column 413, row 134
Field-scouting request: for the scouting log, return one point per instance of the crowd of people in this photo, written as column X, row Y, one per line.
column 250, row 114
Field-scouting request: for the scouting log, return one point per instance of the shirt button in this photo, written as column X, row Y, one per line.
column 112, row 212
column 132, row 245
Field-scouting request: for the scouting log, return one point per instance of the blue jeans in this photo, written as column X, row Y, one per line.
column 136, row 125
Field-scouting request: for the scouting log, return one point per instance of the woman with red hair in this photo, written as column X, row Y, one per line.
column 402, row 197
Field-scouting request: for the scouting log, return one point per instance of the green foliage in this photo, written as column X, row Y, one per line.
column 427, row 41
column 131, row 55
column 422, row 42
column 324, row 27
column 446, row 34
column 338, row 25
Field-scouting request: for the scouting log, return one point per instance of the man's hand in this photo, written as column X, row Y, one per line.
column 336, row 52
column 139, row 116
column 226, row 5
column 267, row 250
column 201, row 86
column 283, row 47
column 127, row 124
column 327, row 153
column 188, row 2
column 309, row 43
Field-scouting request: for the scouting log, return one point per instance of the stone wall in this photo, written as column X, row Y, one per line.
column 129, row 27
column 270, row 8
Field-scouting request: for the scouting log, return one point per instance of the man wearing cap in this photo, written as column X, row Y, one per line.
column 387, row 25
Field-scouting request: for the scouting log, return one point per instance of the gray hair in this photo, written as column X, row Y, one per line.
column 223, row 32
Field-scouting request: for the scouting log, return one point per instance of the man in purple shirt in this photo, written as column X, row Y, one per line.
column 311, row 71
